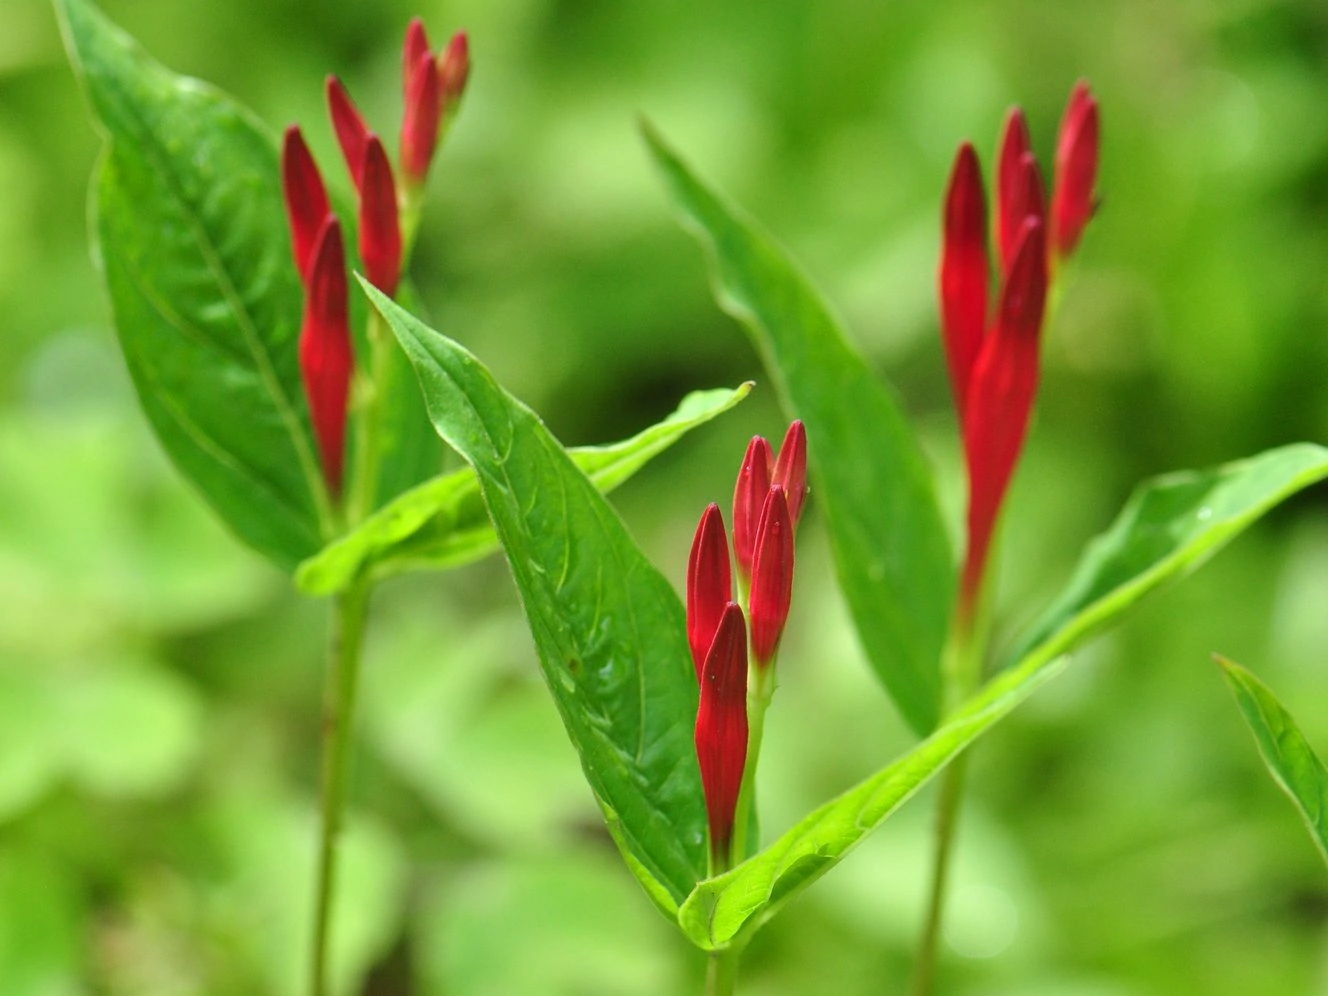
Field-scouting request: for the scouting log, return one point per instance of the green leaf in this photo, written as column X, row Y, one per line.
column 608, row 627
column 1169, row 527
column 442, row 523
column 1288, row 755
column 726, row 909
column 191, row 239
column 891, row 549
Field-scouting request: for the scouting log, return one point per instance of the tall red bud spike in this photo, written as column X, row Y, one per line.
column 380, row 228
column 1001, row 397
column 772, row 576
column 709, row 584
column 790, row 471
column 721, row 730
column 963, row 271
column 748, row 499
column 326, row 361
column 1073, row 200
column 352, row 132
column 306, row 199
column 1011, row 186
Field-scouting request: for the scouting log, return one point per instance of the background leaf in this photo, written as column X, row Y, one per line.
column 442, row 523
column 871, row 478
column 1289, row 757
column 608, row 628
column 1169, row 527
column 192, row 243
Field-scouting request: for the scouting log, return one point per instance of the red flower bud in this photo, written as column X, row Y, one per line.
column 453, row 71
column 419, row 125
column 1001, row 395
column 748, row 497
column 709, row 584
column 326, row 361
column 790, row 471
column 415, row 45
column 1011, row 186
column 772, row 576
column 306, row 199
column 352, row 132
column 1073, row 200
column 380, row 230
column 963, row 272
column 721, row 729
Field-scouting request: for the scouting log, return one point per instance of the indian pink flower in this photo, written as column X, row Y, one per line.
column 326, row 360
column 380, row 227
column 993, row 358
column 772, row 576
column 432, row 90
column 721, row 729
column 709, row 584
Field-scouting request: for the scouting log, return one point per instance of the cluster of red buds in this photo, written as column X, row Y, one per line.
column 767, row 504
column 993, row 354
column 432, row 89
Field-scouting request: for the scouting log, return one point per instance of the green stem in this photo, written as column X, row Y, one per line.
column 722, row 972
column 338, row 723
column 961, row 673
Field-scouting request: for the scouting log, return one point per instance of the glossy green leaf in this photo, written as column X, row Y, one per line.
column 1169, row 527
column 871, row 479
column 728, row 908
column 191, row 239
column 608, row 627
column 1284, row 749
column 442, row 523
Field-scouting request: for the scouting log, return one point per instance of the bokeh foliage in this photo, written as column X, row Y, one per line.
column 159, row 687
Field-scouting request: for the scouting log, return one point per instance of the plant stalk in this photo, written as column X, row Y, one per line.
column 961, row 673
column 722, row 972
column 342, row 679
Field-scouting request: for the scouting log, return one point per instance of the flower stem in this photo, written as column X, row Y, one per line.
column 961, row 673
column 761, row 689
column 343, row 669
column 722, row 972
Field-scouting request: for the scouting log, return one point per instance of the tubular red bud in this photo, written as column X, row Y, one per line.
column 721, row 729
column 1073, row 198
column 419, row 124
column 326, row 361
column 709, row 584
column 1001, row 397
column 380, row 229
column 790, row 471
column 1011, row 186
column 415, row 46
column 352, row 132
column 454, row 71
column 772, row 576
column 306, row 199
column 748, row 498
column 963, row 272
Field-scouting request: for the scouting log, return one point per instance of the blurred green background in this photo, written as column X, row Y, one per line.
column 159, row 686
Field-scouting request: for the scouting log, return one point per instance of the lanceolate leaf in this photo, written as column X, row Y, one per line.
column 731, row 906
column 191, row 237
column 870, row 477
column 1168, row 527
column 1290, row 759
column 608, row 627
column 442, row 523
